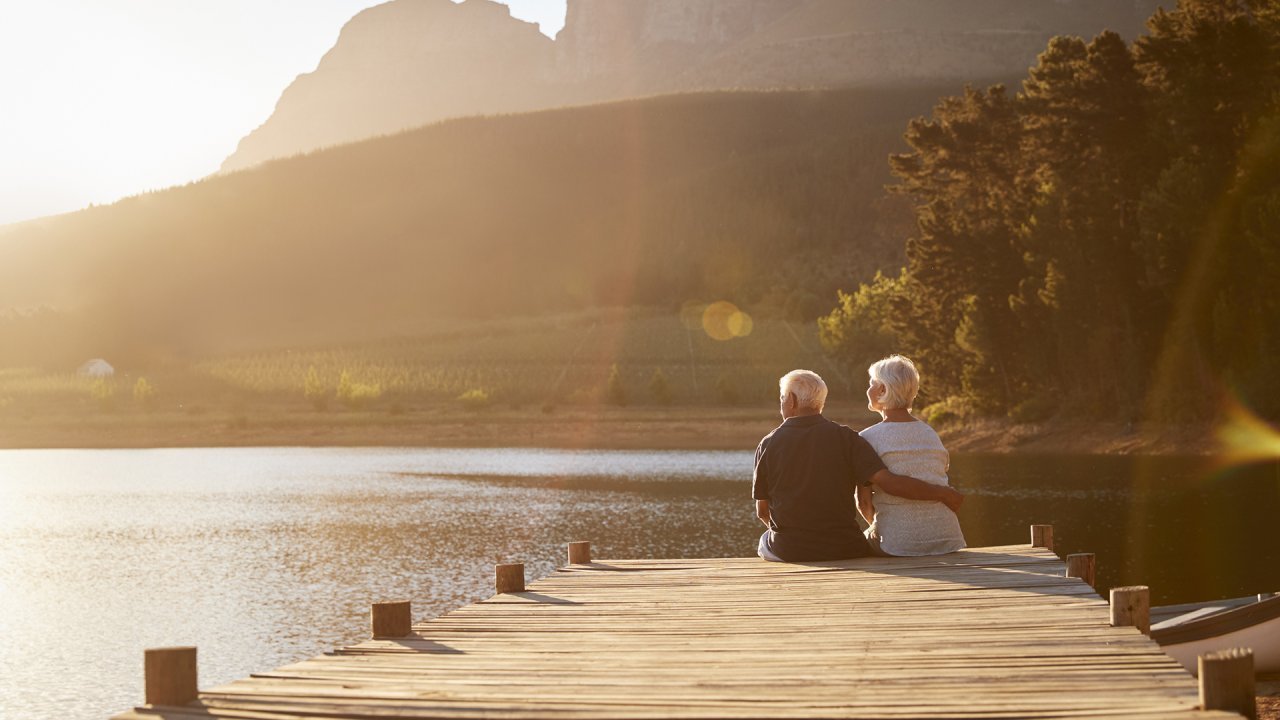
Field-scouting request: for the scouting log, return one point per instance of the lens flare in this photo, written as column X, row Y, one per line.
column 724, row 321
column 715, row 320
column 1244, row 438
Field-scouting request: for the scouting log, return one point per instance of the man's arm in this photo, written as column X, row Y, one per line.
column 865, row 505
column 762, row 511
column 913, row 489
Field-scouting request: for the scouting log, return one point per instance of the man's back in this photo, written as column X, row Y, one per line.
column 808, row 469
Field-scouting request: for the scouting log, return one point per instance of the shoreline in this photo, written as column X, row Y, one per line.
column 594, row 428
column 1081, row 437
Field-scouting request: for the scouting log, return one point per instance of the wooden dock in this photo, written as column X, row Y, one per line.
column 988, row 632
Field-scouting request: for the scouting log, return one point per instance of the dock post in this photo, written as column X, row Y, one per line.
column 1226, row 682
column 1082, row 565
column 390, row 620
column 1131, row 606
column 510, row 578
column 170, row 675
column 1042, row 536
column 579, row 553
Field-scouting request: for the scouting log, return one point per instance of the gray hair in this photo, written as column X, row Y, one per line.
column 807, row 386
column 900, row 379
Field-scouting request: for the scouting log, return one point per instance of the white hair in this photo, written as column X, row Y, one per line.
column 807, row 386
column 900, row 379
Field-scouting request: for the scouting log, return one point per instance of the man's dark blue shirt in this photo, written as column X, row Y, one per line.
column 808, row 469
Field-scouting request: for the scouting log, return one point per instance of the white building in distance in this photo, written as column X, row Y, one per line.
column 96, row 367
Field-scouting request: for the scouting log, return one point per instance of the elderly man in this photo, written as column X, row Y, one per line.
column 807, row 472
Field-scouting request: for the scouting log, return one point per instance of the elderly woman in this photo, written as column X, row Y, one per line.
column 908, row 446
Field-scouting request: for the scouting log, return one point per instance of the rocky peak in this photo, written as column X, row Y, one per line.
column 403, row 64
column 426, row 30
column 626, row 37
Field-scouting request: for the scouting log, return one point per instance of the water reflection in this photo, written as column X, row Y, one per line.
column 1188, row 531
column 264, row 556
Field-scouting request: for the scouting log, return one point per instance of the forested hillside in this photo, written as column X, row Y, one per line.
column 1105, row 242
column 770, row 200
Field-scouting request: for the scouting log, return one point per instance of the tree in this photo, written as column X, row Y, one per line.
column 474, row 399
column 103, row 392
column 966, row 172
column 861, row 329
column 1117, row 217
column 144, row 393
column 727, row 390
column 1085, row 115
column 659, row 388
column 315, row 391
column 1212, row 66
column 615, row 393
column 354, row 395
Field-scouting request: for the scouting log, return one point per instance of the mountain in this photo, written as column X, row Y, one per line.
column 667, row 45
column 408, row 63
column 402, row 64
column 612, row 48
column 771, row 200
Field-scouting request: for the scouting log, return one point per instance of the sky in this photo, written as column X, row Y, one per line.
column 102, row 99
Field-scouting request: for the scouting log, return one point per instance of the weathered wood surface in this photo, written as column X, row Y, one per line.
column 989, row 632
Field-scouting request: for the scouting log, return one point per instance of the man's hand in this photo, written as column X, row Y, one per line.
column 913, row 489
column 762, row 511
column 953, row 498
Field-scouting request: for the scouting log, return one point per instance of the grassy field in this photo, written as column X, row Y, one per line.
column 548, row 363
column 516, row 382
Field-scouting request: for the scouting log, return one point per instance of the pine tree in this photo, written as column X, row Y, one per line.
column 1117, row 216
column 1084, row 110
column 965, row 170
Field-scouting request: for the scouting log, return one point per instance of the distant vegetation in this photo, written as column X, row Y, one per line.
column 633, row 357
column 1105, row 243
column 768, row 200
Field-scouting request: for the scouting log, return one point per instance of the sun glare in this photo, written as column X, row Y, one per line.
column 1244, row 438
column 104, row 99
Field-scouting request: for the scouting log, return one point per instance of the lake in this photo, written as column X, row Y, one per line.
column 263, row 556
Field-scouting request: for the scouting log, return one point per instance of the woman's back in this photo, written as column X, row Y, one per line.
column 913, row 527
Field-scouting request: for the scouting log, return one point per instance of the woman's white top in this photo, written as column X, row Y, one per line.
column 912, row 527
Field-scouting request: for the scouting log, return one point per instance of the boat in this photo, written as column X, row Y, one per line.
column 1187, row 631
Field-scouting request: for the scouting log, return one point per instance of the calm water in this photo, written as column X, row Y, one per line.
column 265, row 556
